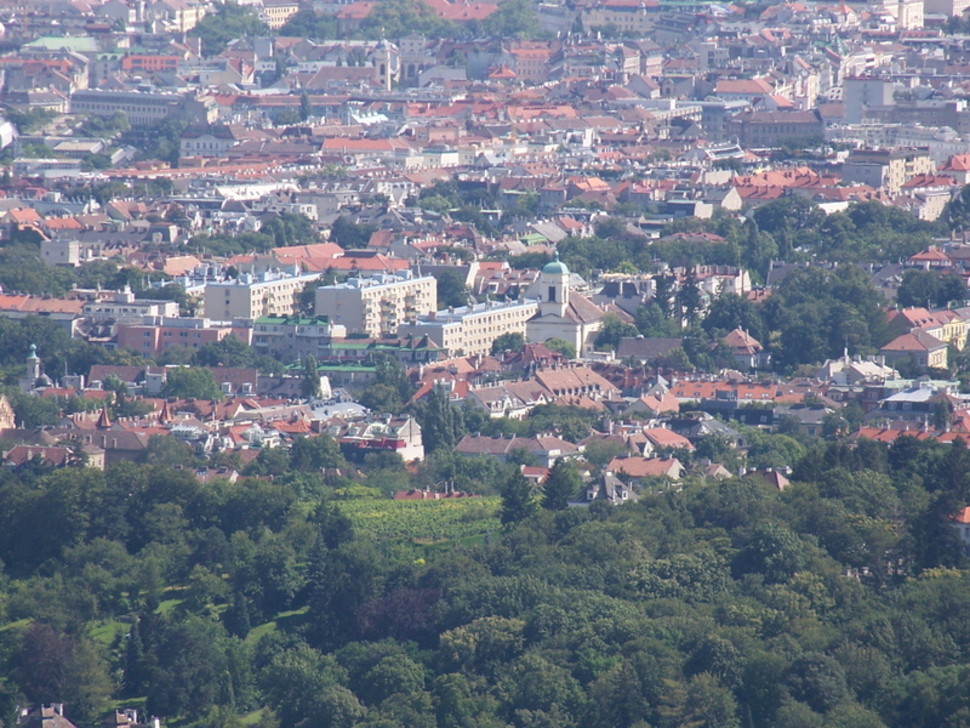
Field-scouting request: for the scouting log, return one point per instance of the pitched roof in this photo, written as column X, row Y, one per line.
column 742, row 342
column 639, row 467
column 662, row 437
column 916, row 340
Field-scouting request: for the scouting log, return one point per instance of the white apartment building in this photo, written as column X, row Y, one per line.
column 378, row 305
column 471, row 330
column 272, row 293
column 123, row 306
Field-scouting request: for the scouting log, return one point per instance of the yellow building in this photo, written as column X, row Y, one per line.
column 275, row 13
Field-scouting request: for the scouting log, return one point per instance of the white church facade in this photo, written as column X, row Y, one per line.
column 563, row 314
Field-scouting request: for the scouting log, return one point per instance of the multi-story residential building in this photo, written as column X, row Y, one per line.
column 472, row 329
column 155, row 335
column 886, row 169
column 629, row 16
column 379, row 305
column 208, row 141
column 177, row 15
column 916, row 348
column 295, row 337
column 767, row 128
column 531, row 61
column 275, row 13
column 273, row 293
column 862, row 93
column 123, row 306
column 391, row 434
column 141, row 63
column 952, row 8
column 63, row 312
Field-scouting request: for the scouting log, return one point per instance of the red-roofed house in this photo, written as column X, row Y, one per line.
column 958, row 167
column 638, row 467
column 660, row 438
column 961, row 522
column 916, row 347
column 930, row 258
column 748, row 351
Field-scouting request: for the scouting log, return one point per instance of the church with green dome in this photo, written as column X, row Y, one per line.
column 563, row 314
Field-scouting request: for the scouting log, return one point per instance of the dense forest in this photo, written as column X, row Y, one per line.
column 841, row 602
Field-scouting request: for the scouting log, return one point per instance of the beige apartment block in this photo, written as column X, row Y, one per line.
column 886, row 169
column 378, row 305
column 471, row 330
column 251, row 296
column 276, row 12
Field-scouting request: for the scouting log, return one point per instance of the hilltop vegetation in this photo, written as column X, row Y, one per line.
column 840, row 602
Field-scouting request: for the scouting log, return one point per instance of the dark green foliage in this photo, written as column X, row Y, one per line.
column 315, row 453
column 562, row 485
column 191, row 382
column 930, row 289
column 452, row 290
column 842, row 601
column 613, row 330
column 350, row 235
column 508, row 342
column 310, row 383
column 309, row 24
column 397, row 18
column 442, row 424
column 518, row 502
column 28, row 121
column 561, row 346
column 200, row 669
column 390, row 390
column 957, row 212
column 514, row 19
column 818, row 313
column 229, row 22
column 288, row 228
column 22, row 271
column 231, row 352
column 53, row 666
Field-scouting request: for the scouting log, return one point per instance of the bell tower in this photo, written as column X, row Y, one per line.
column 387, row 64
column 554, row 288
column 33, row 364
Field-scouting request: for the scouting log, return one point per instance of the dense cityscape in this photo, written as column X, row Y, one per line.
column 458, row 364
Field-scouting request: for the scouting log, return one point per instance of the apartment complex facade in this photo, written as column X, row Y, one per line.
column 152, row 337
column 471, row 330
column 378, row 306
column 275, row 13
column 273, row 293
column 295, row 337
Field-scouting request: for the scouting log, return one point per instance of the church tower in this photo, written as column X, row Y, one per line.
column 387, row 64
column 554, row 289
column 33, row 364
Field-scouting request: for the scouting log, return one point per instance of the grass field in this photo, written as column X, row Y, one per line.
column 423, row 522
column 283, row 619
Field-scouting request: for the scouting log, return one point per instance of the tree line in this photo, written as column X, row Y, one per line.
column 838, row 602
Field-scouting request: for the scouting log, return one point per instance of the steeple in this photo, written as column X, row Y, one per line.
column 554, row 288
column 104, row 422
column 33, row 365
